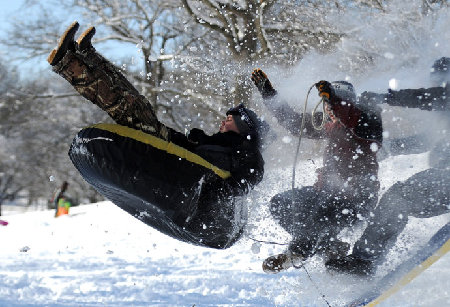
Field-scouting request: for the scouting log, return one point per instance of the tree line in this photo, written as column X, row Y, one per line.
column 192, row 61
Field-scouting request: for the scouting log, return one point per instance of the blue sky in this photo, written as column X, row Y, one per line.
column 8, row 7
column 8, row 10
column 11, row 9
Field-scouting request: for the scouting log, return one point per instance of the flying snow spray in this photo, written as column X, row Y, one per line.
column 302, row 127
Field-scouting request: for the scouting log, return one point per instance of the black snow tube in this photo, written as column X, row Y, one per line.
column 156, row 181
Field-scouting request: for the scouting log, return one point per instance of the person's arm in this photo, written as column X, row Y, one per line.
column 284, row 113
column 181, row 139
column 364, row 123
column 371, row 98
column 247, row 170
column 345, row 111
column 428, row 99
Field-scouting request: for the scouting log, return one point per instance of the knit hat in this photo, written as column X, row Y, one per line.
column 344, row 90
column 248, row 122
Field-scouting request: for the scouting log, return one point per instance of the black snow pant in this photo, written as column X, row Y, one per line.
column 425, row 194
column 313, row 218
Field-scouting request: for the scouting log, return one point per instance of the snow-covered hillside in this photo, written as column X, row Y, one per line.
column 101, row 256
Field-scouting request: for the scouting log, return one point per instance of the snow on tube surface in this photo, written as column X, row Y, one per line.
column 154, row 180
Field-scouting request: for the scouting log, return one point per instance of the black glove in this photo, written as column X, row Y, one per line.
column 325, row 89
column 263, row 84
column 197, row 136
column 390, row 94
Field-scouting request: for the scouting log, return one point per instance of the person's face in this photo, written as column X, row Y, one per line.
column 330, row 113
column 228, row 125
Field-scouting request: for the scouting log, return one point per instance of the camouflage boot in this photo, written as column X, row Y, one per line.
column 66, row 42
column 84, row 41
column 99, row 81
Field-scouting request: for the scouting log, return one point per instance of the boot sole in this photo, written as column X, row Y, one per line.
column 85, row 38
column 63, row 41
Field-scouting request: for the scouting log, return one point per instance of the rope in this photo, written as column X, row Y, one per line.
column 302, row 265
column 324, row 115
column 267, row 242
column 302, row 127
column 317, row 127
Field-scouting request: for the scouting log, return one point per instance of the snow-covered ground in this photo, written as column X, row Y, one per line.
column 101, row 256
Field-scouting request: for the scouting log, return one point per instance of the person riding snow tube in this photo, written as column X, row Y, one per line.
column 188, row 187
column 177, row 191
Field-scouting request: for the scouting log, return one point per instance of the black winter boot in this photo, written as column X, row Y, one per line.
column 333, row 249
column 297, row 252
column 351, row 264
column 66, row 42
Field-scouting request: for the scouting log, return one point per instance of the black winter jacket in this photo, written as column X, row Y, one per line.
column 229, row 151
column 349, row 162
column 219, row 218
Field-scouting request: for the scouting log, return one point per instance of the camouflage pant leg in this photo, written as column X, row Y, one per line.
column 99, row 81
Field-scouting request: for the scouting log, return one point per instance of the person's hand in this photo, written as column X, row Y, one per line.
column 196, row 135
column 390, row 94
column 325, row 89
column 263, row 84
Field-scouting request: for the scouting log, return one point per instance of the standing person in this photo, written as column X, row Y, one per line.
column 57, row 195
column 187, row 187
column 63, row 206
column 59, row 200
column 425, row 194
column 347, row 185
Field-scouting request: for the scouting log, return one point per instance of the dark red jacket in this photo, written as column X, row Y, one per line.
column 349, row 162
